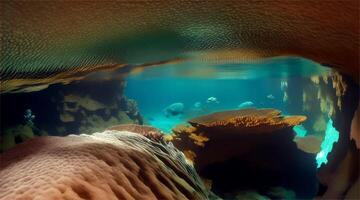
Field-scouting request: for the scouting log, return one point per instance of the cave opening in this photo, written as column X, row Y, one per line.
column 293, row 109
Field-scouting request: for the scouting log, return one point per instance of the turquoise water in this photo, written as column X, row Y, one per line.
column 154, row 95
column 233, row 85
column 192, row 89
column 331, row 136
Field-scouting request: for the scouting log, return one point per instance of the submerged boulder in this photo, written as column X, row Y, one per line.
column 174, row 109
column 105, row 165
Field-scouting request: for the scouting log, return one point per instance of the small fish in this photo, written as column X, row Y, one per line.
column 212, row 100
column 270, row 96
column 246, row 104
column 197, row 104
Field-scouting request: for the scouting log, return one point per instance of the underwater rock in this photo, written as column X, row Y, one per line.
column 246, row 104
column 174, row 109
column 67, row 117
column 309, row 144
column 344, row 178
column 342, row 169
column 11, row 136
column 105, row 165
column 85, row 102
column 88, row 45
column 252, row 145
column 80, row 107
column 355, row 127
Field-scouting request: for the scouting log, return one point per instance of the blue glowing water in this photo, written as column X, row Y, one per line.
column 331, row 136
column 300, row 131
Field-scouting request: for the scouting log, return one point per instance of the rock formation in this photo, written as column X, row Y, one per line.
column 309, row 144
column 69, row 44
column 83, row 107
column 106, row 165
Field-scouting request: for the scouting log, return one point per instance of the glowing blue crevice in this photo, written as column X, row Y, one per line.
column 300, row 131
column 331, row 136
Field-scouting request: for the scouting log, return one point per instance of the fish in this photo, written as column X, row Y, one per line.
column 246, row 104
column 197, row 104
column 270, row 96
column 174, row 109
column 212, row 100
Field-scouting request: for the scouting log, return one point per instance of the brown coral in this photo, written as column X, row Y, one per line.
column 108, row 165
column 232, row 127
column 249, row 120
column 251, row 145
column 147, row 131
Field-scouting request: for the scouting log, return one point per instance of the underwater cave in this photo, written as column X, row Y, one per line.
column 179, row 100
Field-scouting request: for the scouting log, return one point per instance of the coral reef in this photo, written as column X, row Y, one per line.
column 254, row 145
column 247, row 120
column 105, row 165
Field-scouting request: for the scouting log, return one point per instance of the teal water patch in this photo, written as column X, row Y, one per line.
column 300, row 131
column 331, row 136
column 166, row 124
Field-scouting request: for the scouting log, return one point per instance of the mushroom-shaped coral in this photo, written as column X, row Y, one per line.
column 254, row 145
column 247, row 120
column 107, row 165
column 207, row 130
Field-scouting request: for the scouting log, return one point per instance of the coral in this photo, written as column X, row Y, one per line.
column 107, row 165
column 147, row 131
column 231, row 124
column 247, row 120
column 231, row 145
